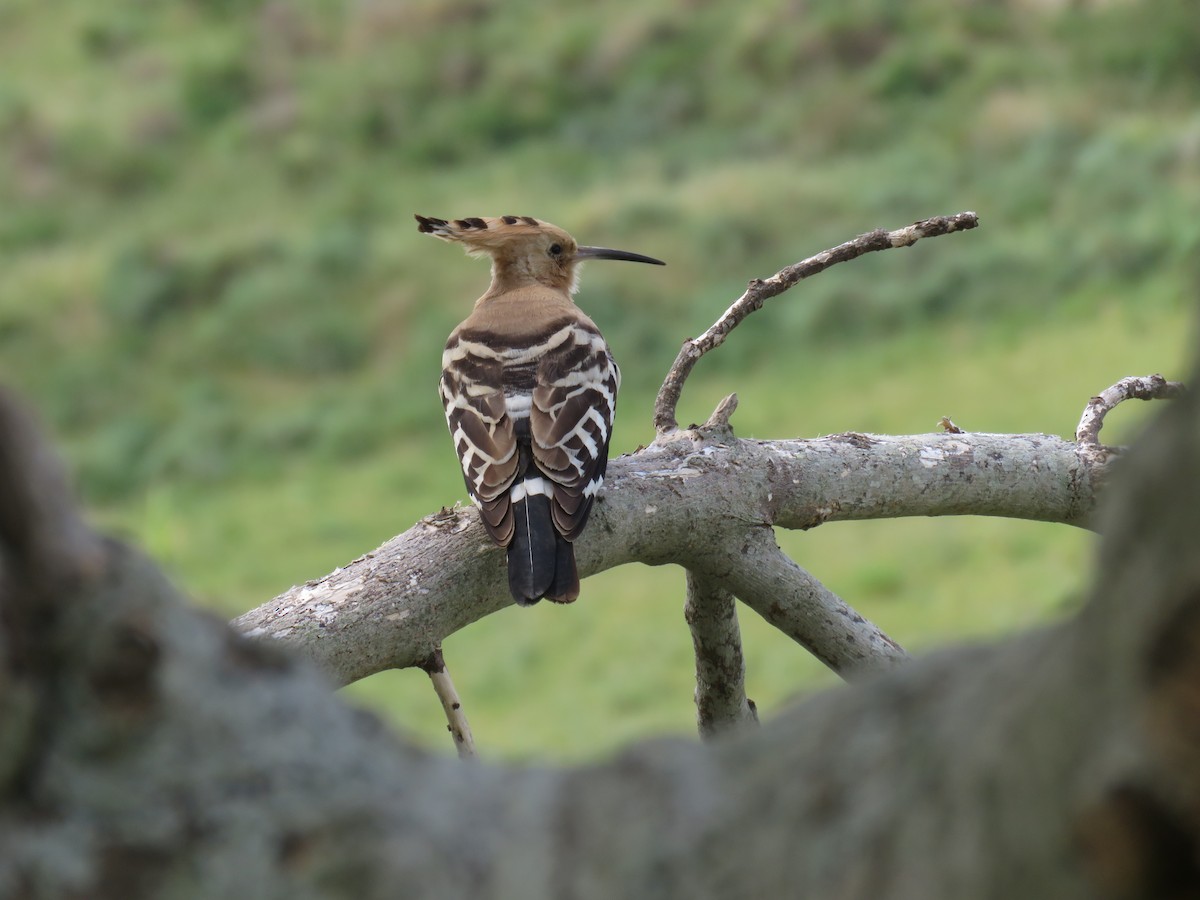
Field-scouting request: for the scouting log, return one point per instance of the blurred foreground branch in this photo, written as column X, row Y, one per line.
column 155, row 753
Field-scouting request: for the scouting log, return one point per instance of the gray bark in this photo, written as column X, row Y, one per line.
column 149, row 751
column 721, row 701
column 693, row 498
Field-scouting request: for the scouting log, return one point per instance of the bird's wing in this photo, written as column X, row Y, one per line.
column 483, row 435
column 574, row 402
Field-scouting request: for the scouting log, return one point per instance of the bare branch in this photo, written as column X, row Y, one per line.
column 761, row 290
column 721, row 702
column 1147, row 387
column 796, row 603
column 674, row 502
column 456, row 719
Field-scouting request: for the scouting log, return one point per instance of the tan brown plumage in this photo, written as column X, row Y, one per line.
column 530, row 389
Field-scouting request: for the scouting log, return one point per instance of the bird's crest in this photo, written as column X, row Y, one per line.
column 455, row 229
column 523, row 249
column 486, row 235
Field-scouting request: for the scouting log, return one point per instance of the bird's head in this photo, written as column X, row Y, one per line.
column 523, row 249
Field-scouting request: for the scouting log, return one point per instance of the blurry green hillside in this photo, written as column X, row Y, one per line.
column 212, row 287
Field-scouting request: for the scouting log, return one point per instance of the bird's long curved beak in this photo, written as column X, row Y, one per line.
column 604, row 253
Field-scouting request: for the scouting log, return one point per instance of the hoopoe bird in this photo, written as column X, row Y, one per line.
column 530, row 391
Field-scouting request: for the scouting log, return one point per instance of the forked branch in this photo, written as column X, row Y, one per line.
column 761, row 289
column 790, row 598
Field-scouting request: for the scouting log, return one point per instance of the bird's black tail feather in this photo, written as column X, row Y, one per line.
column 565, row 588
column 541, row 562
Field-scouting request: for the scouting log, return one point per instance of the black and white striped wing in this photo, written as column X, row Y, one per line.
column 483, row 433
column 571, row 419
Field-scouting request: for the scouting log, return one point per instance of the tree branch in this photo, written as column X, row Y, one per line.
column 721, row 702
column 755, row 569
column 762, row 289
column 676, row 502
column 456, row 718
column 1147, row 387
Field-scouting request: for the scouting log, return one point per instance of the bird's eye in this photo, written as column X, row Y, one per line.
column 555, row 249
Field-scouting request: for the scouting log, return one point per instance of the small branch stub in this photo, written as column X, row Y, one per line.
column 762, row 289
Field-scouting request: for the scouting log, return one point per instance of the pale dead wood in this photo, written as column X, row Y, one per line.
column 762, row 289
column 682, row 501
column 754, row 569
column 1145, row 387
column 779, row 590
column 456, row 717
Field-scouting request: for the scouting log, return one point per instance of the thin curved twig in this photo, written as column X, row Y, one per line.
column 456, row 720
column 721, row 702
column 761, row 290
column 1135, row 387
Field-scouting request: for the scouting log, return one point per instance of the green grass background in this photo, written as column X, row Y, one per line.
column 212, row 288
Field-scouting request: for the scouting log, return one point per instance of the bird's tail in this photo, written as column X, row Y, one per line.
column 541, row 562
